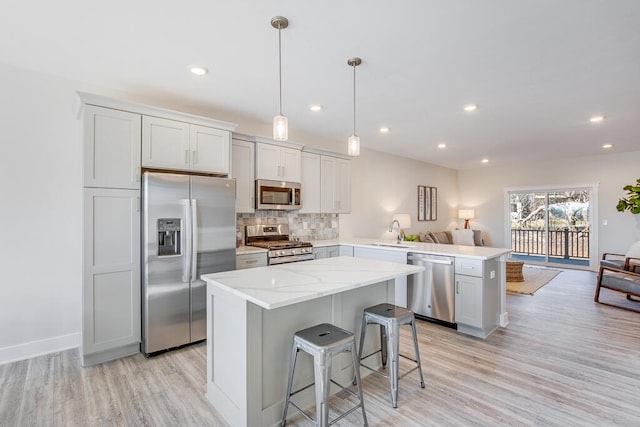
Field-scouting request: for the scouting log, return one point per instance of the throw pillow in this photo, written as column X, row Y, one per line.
column 440, row 237
column 463, row 237
column 425, row 238
column 477, row 238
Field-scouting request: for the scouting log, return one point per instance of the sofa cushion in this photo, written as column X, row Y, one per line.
column 463, row 237
column 440, row 237
column 425, row 238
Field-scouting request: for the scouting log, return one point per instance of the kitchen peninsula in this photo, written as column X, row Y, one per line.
column 252, row 315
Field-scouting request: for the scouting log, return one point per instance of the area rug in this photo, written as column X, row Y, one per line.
column 534, row 279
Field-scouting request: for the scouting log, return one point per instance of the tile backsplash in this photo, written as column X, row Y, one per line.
column 303, row 226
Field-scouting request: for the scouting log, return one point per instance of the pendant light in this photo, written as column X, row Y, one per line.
column 280, row 122
column 353, row 143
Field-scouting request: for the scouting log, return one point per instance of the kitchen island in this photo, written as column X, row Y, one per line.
column 252, row 316
column 481, row 293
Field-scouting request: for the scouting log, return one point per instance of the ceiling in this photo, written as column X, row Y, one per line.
column 537, row 69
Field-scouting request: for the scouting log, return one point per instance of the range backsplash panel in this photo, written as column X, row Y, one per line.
column 307, row 227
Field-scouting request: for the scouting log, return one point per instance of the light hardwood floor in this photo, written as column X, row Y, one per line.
column 563, row 361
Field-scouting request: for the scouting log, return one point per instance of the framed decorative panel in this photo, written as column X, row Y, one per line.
column 427, row 203
column 434, row 203
column 421, row 203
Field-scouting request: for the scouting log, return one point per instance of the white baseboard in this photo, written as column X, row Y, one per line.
column 39, row 348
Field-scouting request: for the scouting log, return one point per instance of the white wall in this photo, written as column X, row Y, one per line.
column 483, row 189
column 382, row 185
column 41, row 215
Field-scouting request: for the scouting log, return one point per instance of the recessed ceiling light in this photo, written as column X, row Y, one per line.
column 470, row 107
column 442, row 145
column 199, row 71
column 384, row 129
column 596, row 119
column 485, row 160
column 607, row 146
column 315, row 107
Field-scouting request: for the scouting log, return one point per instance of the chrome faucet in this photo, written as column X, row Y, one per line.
column 395, row 221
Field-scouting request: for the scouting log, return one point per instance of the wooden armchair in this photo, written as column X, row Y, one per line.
column 620, row 261
column 621, row 280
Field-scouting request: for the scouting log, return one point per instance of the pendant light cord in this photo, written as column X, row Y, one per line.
column 354, row 100
column 280, row 64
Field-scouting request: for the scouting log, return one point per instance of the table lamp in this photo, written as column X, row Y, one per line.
column 466, row 214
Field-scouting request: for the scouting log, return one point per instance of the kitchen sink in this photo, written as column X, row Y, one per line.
column 392, row 245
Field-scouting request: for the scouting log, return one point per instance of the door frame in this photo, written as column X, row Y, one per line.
column 593, row 218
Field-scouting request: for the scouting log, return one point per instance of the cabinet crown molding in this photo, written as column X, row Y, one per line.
column 287, row 144
column 148, row 110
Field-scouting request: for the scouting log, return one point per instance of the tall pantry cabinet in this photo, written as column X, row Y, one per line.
column 111, row 254
column 116, row 134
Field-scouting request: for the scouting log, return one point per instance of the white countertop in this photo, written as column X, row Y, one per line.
column 477, row 252
column 285, row 284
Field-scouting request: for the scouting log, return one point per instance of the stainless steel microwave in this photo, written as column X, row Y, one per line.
column 277, row 195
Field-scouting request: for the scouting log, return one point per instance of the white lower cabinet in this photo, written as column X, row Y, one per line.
column 111, row 274
column 468, row 300
column 477, row 296
column 346, row 250
column 326, row 251
column 252, row 260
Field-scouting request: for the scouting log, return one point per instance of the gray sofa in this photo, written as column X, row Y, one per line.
column 447, row 237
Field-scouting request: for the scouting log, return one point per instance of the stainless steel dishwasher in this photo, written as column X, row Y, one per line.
column 431, row 293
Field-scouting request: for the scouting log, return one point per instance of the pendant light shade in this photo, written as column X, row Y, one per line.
column 353, row 143
column 280, row 128
column 280, row 122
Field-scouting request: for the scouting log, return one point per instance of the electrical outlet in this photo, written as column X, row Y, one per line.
column 492, row 274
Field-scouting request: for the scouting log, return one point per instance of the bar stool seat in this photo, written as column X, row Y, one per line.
column 323, row 341
column 390, row 317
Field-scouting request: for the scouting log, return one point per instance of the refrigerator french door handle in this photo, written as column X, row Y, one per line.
column 186, row 259
column 194, row 239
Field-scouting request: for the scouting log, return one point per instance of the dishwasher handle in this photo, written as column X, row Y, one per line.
column 430, row 260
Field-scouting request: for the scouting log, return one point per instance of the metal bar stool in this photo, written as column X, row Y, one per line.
column 323, row 341
column 390, row 317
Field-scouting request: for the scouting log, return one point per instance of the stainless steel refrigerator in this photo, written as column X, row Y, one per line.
column 189, row 229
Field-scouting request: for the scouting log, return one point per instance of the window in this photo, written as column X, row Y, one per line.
column 552, row 226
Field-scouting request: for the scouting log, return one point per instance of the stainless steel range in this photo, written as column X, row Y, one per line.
column 275, row 238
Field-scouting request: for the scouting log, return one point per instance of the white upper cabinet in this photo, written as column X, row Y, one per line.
column 170, row 144
column 111, row 148
column 277, row 162
column 242, row 169
column 310, row 183
column 209, row 149
column 335, row 177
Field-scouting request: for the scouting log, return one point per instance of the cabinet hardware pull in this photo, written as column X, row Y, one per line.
column 457, row 287
column 186, row 157
column 194, row 157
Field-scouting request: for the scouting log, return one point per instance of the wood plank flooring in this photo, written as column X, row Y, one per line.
column 563, row 361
